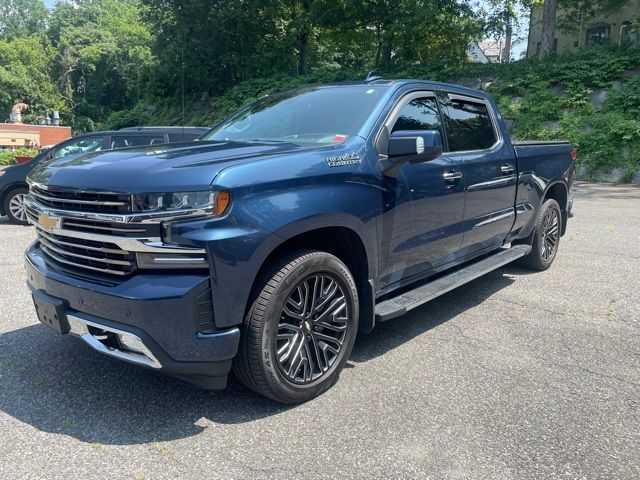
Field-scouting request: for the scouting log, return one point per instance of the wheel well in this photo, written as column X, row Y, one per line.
column 558, row 192
column 345, row 244
column 8, row 189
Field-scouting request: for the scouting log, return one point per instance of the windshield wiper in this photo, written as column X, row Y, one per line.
column 266, row 140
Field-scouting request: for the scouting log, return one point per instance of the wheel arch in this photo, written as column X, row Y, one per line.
column 12, row 186
column 559, row 192
column 343, row 242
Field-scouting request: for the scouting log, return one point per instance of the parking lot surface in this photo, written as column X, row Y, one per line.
column 515, row 375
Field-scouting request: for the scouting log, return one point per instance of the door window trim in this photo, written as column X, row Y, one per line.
column 402, row 102
column 492, row 118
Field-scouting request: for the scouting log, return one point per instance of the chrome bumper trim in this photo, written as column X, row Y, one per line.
column 80, row 328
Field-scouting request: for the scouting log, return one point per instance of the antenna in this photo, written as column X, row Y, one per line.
column 372, row 76
column 182, row 81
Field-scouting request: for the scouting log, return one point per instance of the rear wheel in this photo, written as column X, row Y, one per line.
column 14, row 206
column 299, row 332
column 546, row 237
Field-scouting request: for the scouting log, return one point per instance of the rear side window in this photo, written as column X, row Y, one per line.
column 122, row 141
column 468, row 126
column 183, row 137
column 419, row 114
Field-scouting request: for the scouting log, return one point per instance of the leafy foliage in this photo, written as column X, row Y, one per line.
column 26, row 76
column 117, row 63
column 8, row 157
column 591, row 98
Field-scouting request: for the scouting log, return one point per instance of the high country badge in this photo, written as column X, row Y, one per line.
column 351, row 158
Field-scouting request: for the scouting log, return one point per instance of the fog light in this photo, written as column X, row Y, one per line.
column 171, row 260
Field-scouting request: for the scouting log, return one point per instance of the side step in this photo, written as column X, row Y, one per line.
column 396, row 306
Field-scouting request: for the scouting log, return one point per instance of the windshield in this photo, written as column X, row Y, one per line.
column 309, row 115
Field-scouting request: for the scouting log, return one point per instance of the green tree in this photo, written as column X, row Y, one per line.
column 22, row 18
column 26, row 76
column 103, row 53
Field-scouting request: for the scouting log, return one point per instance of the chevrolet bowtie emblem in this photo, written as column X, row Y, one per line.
column 48, row 222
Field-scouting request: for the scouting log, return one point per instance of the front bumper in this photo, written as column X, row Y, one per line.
column 154, row 314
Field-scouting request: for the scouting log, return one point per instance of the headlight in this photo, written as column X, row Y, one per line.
column 215, row 203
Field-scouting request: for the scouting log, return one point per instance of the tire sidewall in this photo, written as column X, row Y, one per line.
column 537, row 239
column 319, row 263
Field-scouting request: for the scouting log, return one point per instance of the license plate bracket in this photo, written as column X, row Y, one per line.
column 51, row 311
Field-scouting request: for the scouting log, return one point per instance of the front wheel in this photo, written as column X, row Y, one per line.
column 546, row 237
column 14, row 206
column 300, row 329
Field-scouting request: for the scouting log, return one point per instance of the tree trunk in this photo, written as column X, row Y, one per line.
column 548, row 28
column 379, row 49
column 508, row 33
column 304, row 35
column 387, row 50
column 303, row 53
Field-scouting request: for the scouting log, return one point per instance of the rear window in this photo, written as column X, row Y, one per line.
column 468, row 126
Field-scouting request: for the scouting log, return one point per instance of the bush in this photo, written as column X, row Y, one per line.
column 543, row 100
column 8, row 157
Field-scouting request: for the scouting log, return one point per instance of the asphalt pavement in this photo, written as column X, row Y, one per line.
column 516, row 375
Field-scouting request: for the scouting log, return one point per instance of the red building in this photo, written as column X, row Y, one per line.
column 49, row 135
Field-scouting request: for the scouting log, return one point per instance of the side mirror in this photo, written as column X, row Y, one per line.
column 413, row 146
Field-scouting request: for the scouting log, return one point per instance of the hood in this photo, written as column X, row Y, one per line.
column 175, row 167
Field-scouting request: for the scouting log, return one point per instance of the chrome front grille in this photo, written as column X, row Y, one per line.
column 79, row 201
column 99, row 243
column 91, row 255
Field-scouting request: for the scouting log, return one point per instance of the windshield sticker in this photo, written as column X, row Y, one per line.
column 370, row 91
column 351, row 158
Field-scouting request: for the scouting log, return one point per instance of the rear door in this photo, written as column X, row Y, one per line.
column 488, row 166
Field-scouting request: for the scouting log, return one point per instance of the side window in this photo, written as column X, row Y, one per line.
column 122, row 141
column 183, row 137
column 419, row 114
column 468, row 126
column 79, row 145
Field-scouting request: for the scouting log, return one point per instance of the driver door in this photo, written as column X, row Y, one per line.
column 424, row 228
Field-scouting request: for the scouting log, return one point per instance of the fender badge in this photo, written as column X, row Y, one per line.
column 351, row 158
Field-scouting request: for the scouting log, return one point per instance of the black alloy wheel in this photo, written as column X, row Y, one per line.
column 300, row 328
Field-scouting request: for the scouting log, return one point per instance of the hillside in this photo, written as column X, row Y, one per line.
column 591, row 98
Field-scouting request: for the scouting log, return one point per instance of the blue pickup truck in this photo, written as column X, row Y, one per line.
column 293, row 225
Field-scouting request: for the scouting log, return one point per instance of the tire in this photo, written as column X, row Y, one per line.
column 546, row 237
column 286, row 353
column 13, row 206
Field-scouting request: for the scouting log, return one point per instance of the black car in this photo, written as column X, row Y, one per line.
column 13, row 184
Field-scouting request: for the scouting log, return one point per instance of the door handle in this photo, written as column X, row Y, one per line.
column 507, row 169
column 452, row 175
